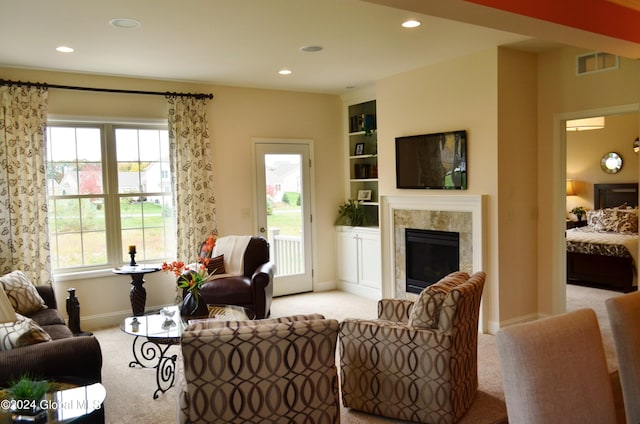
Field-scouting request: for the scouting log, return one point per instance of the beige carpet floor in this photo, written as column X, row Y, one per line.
column 130, row 390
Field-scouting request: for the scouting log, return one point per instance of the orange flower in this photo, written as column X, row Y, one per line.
column 193, row 280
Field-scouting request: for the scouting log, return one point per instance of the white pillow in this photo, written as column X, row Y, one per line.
column 23, row 332
column 21, row 292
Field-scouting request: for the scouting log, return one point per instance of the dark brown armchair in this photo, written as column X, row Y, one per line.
column 248, row 280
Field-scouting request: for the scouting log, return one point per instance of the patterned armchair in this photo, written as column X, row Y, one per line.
column 417, row 362
column 274, row 370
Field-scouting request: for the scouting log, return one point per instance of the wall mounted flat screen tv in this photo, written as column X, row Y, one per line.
column 432, row 161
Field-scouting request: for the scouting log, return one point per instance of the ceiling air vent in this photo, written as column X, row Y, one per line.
column 595, row 62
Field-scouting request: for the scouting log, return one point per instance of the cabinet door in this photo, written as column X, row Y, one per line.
column 347, row 257
column 370, row 269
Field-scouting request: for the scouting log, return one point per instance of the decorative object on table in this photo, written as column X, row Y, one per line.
column 73, row 311
column 578, row 211
column 192, row 277
column 132, row 253
column 350, row 213
column 26, row 395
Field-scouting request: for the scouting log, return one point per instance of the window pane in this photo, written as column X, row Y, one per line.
column 94, row 248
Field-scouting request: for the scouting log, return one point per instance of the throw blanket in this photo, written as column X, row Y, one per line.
column 233, row 248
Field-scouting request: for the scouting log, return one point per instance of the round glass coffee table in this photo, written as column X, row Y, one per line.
column 155, row 333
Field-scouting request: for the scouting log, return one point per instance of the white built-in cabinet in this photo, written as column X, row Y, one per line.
column 359, row 261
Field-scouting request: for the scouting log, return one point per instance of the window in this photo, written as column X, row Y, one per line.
column 109, row 187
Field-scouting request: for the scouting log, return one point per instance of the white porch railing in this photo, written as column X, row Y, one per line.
column 287, row 253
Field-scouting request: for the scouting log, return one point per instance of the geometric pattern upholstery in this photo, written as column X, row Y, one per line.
column 426, row 311
column 21, row 292
column 427, row 375
column 273, row 370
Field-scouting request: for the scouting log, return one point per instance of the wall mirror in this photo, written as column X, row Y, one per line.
column 611, row 163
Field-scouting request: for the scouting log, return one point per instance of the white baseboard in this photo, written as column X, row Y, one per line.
column 324, row 286
column 494, row 326
column 112, row 319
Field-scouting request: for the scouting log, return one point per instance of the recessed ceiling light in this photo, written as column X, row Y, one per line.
column 411, row 23
column 124, row 23
column 64, row 49
column 285, row 72
column 311, row 49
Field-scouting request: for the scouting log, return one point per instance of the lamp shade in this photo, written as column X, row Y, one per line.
column 7, row 314
column 571, row 191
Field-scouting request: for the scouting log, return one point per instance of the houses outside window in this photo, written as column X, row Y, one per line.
column 109, row 187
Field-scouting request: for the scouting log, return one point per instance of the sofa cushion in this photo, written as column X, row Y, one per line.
column 21, row 292
column 23, row 332
column 47, row 316
column 57, row 331
column 426, row 309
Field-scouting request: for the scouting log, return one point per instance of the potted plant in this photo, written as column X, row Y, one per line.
column 578, row 211
column 26, row 394
column 350, row 213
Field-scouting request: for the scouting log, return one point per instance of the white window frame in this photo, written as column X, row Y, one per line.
column 114, row 244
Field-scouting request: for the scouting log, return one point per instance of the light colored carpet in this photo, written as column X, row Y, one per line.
column 130, row 390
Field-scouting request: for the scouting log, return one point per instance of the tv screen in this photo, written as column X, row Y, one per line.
column 432, row 161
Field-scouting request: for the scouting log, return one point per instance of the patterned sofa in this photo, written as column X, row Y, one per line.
column 274, row 370
column 417, row 362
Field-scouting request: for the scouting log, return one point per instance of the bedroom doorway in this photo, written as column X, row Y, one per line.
column 283, row 208
column 581, row 153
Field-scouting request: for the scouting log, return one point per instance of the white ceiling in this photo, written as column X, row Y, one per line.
column 236, row 42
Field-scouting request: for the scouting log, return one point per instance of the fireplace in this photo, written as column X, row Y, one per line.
column 430, row 255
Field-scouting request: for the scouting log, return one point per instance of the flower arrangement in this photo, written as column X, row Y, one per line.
column 193, row 279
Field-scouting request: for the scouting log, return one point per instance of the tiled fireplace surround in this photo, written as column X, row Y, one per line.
column 456, row 213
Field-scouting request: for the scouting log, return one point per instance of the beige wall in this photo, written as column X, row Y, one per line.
column 456, row 95
column 586, row 148
column 562, row 94
column 235, row 116
column 517, row 202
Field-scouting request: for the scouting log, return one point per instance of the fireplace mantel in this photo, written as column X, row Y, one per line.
column 442, row 210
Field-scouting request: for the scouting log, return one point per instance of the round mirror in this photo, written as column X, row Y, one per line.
column 611, row 163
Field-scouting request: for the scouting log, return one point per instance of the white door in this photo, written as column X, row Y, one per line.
column 283, row 193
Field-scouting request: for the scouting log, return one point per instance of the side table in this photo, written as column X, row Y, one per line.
column 138, row 294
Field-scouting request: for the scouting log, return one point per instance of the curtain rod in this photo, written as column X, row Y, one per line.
column 106, row 90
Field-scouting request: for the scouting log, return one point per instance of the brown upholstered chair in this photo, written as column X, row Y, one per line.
column 555, row 371
column 418, row 361
column 275, row 370
column 624, row 317
column 248, row 277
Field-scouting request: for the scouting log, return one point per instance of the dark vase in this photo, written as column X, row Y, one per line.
column 193, row 306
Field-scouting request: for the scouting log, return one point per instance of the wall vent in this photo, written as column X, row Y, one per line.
column 595, row 62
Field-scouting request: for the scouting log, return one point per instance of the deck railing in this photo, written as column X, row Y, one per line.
column 287, row 253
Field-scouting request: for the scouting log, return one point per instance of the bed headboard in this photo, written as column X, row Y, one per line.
column 612, row 195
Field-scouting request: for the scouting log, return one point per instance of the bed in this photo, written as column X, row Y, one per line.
column 604, row 253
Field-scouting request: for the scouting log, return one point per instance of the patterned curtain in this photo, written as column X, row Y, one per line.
column 24, row 223
column 191, row 173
